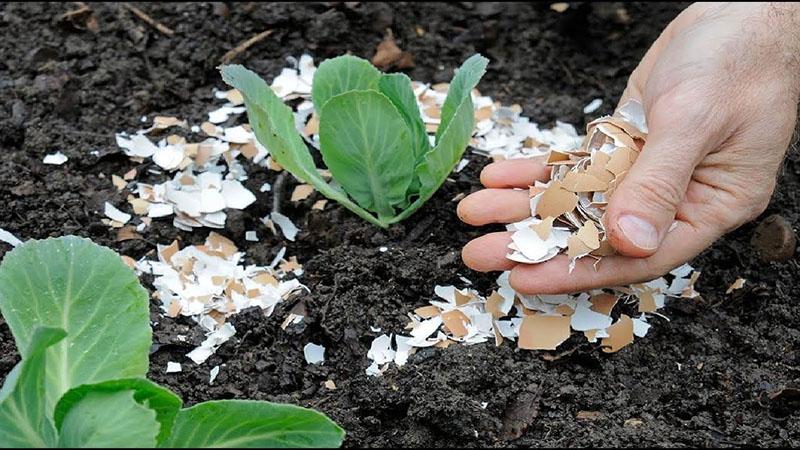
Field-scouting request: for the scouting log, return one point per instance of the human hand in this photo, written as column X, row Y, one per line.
column 720, row 91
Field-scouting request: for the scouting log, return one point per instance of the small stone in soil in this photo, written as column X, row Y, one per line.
column 774, row 239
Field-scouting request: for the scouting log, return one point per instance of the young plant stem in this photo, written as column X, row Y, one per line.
column 277, row 190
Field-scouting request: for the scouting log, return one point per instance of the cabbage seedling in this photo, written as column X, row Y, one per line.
column 372, row 137
column 80, row 321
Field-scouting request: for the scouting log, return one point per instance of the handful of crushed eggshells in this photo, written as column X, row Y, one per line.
column 567, row 212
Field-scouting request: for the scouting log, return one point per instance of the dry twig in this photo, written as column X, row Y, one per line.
column 83, row 8
column 234, row 52
column 82, row 13
column 150, row 21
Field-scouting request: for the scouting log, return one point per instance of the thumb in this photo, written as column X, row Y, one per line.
column 644, row 205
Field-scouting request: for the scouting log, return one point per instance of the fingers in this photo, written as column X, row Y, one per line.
column 499, row 203
column 488, row 252
column 494, row 206
column 553, row 277
column 511, row 173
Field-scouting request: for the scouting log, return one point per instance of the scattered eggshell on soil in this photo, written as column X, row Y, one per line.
column 286, row 225
column 116, row 215
column 619, row 335
column 314, row 354
column 738, row 284
column 542, row 332
column 209, row 283
column 221, row 114
column 212, row 374
column 302, row 192
column 9, row 238
column 56, row 159
column 593, row 106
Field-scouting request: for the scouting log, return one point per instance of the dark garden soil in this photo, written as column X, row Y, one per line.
column 701, row 379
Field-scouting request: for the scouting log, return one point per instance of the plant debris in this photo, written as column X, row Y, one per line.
column 521, row 412
column 82, row 17
column 244, row 45
column 163, row 29
column 388, row 54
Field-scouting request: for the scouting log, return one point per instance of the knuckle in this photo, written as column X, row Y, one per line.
column 693, row 99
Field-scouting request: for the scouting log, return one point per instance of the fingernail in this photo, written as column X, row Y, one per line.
column 640, row 232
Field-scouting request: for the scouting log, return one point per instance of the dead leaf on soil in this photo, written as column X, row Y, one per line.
column 388, row 54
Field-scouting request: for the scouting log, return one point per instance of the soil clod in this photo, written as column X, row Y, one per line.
column 521, row 413
column 774, row 239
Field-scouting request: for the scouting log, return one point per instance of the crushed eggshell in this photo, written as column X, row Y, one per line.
column 541, row 332
column 173, row 367
column 56, row 159
column 619, row 335
column 130, row 262
column 593, row 106
column 314, row 354
column 9, row 238
column 221, row 114
column 536, row 322
column 738, row 284
column 209, row 283
column 118, row 182
column 286, row 225
column 302, row 192
column 114, row 214
column 206, row 176
column 213, row 341
column 577, row 193
column 212, row 374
